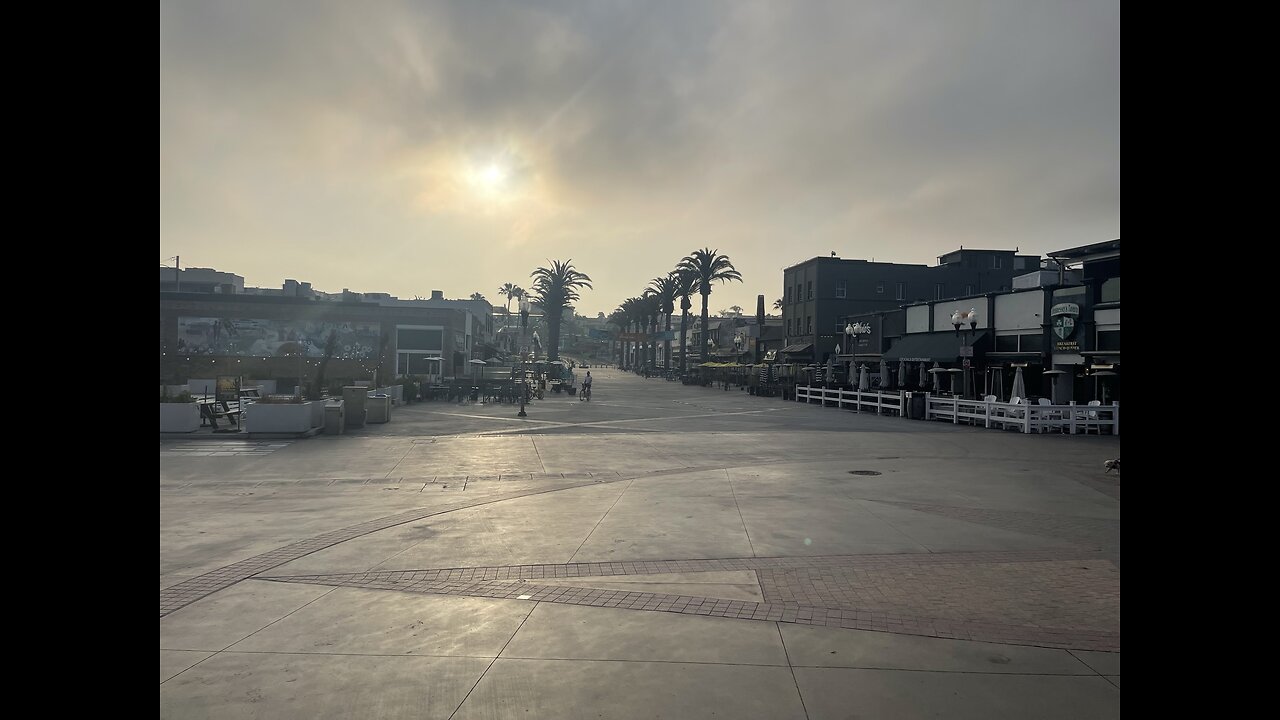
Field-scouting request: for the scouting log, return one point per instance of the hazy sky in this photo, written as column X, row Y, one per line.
column 409, row 146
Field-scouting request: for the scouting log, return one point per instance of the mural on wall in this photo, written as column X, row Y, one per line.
column 279, row 338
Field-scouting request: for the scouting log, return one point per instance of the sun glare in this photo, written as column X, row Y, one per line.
column 490, row 179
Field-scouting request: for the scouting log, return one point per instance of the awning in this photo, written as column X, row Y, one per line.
column 935, row 346
column 796, row 349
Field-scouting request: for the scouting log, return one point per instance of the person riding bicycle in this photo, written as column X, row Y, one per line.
column 586, row 385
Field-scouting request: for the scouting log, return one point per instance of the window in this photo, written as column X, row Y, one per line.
column 902, row 291
column 788, row 326
column 414, row 345
column 1031, row 343
column 880, row 287
column 842, row 287
column 808, row 325
column 939, row 290
column 1110, row 290
column 1006, row 343
column 968, row 289
column 416, row 363
column 788, row 295
column 1108, row 340
column 997, row 262
column 419, row 339
column 809, row 296
column 1019, row 263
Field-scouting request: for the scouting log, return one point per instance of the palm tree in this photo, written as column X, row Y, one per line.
column 736, row 309
column 651, row 307
column 710, row 266
column 777, row 304
column 618, row 318
column 665, row 288
column 557, row 287
column 686, row 285
column 631, row 317
column 476, row 296
column 508, row 291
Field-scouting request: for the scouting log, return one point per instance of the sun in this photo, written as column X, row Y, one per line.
column 490, row 179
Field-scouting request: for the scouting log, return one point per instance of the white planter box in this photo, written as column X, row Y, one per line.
column 179, row 417
column 284, row 418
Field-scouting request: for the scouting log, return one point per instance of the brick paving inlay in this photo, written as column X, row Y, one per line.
column 1061, row 599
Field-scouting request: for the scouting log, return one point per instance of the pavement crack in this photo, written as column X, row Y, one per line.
column 739, row 507
column 792, row 668
column 602, row 517
column 534, row 442
column 495, row 659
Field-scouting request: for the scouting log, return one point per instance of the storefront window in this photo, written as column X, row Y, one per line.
column 1006, row 343
column 419, row 339
column 1110, row 290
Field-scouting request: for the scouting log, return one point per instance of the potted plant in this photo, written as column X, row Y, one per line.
column 284, row 414
column 179, row 413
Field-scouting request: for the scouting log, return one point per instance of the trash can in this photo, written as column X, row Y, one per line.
column 917, row 409
column 334, row 414
column 378, row 409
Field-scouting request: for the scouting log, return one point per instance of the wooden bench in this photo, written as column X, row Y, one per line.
column 212, row 410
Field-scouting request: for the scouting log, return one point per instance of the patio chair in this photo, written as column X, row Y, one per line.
column 1089, row 417
column 1050, row 419
column 1013, row 417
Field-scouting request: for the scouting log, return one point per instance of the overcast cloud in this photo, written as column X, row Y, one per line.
column 409, row 146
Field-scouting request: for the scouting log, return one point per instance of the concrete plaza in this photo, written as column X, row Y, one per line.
column 661, row 551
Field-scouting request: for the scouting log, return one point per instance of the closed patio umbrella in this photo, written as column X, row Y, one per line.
column 831, row 368
column 924, row 377
column 1019, row 386
column 886, row 382
column 902, row 373
column 937, row 372
column 864, row 380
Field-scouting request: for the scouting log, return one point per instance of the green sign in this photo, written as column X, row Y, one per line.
column 1064, row 317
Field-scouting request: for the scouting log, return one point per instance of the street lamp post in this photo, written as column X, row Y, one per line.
column 958, row 320
column 524, row 331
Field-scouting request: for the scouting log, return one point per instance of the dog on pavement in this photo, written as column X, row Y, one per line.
column 1112, row 465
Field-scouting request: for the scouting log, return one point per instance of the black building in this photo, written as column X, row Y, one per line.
column 819, row 293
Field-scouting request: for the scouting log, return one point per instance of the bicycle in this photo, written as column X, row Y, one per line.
column 584, row 393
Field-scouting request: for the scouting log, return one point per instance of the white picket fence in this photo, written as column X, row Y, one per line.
column 878, row 402
column 1070, row 418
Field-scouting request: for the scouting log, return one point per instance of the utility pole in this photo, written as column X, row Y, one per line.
column 177, row 272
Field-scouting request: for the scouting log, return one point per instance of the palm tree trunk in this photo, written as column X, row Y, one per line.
column 706, row 334
column 684, row 349
column 553, row 334
column 666, row 362
column 653, row 345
